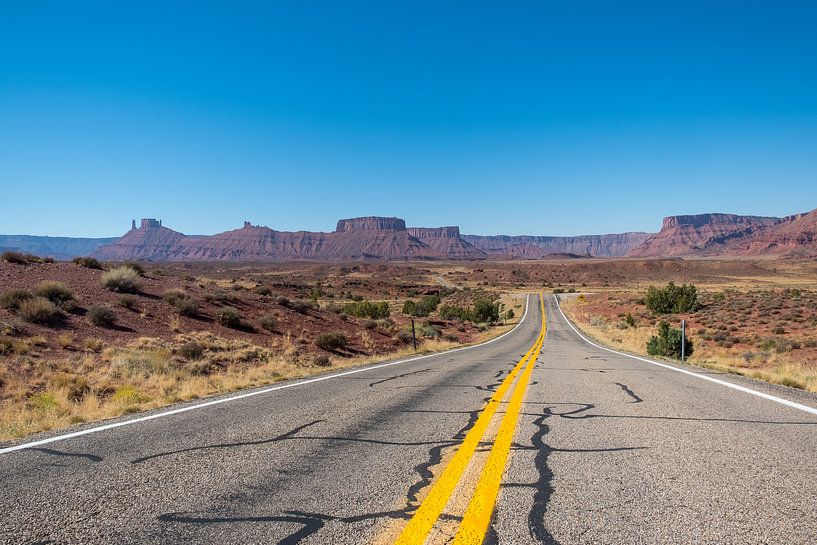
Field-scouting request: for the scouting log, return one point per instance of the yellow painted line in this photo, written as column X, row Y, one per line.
column 477, row 517
column 426, row 516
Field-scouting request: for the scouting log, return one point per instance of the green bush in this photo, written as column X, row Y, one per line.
column 672, row 299
column 101, row 316
column 367, row 309
column 56, row 292
column 11, row 300
column 283, row 301
column 268, row 322
column 38, row 310
column 122, row 279
column 88, row 262
column 331, row 341
column 510, row 314
column 228, row 317
column 668, row 342
column 485, row 311
column 423, row 307
column 453, row 312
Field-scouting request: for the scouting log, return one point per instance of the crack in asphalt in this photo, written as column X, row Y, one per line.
column 372, row 384
column 629, row 392
column 282, row 437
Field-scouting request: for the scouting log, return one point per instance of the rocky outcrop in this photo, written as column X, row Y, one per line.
column 793, row 236
column 698, row 234
column 388, row 238
column 537, row 247
column 371, row 223
column 150, row 241
column 446, row 241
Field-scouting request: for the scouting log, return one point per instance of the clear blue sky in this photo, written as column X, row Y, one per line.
column 502, row 117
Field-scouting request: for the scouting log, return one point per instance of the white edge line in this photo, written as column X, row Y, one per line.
column 302, row 382
column 743, row 389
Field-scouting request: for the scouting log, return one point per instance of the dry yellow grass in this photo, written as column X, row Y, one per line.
column 777, row 369
column 107, row 382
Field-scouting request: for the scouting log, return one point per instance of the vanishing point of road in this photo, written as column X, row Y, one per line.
column 536, row 437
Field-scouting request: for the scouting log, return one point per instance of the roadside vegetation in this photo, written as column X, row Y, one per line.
column 767, row 334
column 83, row 340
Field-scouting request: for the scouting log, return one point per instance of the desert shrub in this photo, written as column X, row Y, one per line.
column 228, row 317
column 187, row 307
column 428, row 330
column 66, row 340
column 778, row 330
column 303, row 305
column 453, row 312
column 6, row 345
column 668, row 342
column 485, row 311
column 629, row 319
column 558, row 290
column 191, row 351
column 779, row 345
column 135, row 266
column 268, row 322
column 56, row 292
column 263, row 290
column 370, row 324
column 423, row 307
column 126, row 301
column 11, row 300
column 14, row 257
column 321, row 360
column 404, row 336
column 218, row 296
column 331, row 341
column 367, row 309
column 334, row 308
column 38, row 310
column 283, row 301
column 101, row 316
column 510, row 314
column 122, row 279
column 672, row 298
column 598, row 321
column 181, row 302
column 174, row 295
column 88, row 262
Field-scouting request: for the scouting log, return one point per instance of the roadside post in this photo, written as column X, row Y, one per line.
column 413, row 335
column 683, row 340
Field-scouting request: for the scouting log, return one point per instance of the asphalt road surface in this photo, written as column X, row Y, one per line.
column 605, row 449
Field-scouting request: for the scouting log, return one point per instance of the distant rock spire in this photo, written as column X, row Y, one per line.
column 132, row 225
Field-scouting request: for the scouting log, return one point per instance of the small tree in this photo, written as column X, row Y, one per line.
column 672, row 298
column 485, row 311
column 668, row 342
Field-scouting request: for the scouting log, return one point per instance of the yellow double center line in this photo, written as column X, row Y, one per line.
column 478, row 514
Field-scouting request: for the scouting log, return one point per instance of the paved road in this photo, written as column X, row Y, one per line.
column 607, row 449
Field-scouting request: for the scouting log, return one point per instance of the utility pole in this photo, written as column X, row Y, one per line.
column 683, row 340
column 413, row 335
